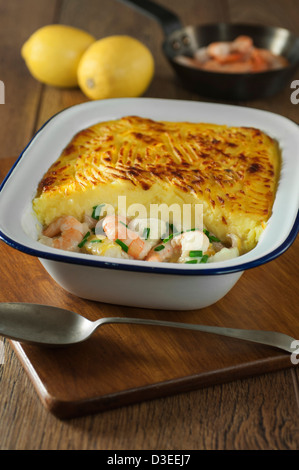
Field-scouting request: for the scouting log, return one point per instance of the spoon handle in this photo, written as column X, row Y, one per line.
column 270, row 338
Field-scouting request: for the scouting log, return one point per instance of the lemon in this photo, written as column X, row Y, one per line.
column 53, row 52
column 115, row 66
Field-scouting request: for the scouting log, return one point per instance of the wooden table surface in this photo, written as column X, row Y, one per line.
column 260, row 412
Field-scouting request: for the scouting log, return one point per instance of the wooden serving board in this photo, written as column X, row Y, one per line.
column 125, row 364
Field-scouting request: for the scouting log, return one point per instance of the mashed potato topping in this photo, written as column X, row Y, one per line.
column 231, row 173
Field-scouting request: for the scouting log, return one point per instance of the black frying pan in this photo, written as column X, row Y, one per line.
column 181, row 40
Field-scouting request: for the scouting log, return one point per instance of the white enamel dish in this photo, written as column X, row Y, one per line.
column 138, row 283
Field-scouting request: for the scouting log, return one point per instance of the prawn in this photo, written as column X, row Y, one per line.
column 116, row 228
column 222, row 52
column 243, row 45
column 237, row 56
column 227, row 52
column 263, row 59
column 233, row 67
column 70, row 232
column 161, row 252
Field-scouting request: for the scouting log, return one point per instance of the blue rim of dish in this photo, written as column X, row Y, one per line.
column 146, row 268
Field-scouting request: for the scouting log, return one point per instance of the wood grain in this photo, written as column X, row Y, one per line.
column 255, row 413
column 245, row 414
column 22, row 92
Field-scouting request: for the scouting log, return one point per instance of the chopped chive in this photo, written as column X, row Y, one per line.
column 84, row 240
column 123, row 223
column 159, row 248
column 195, row 254
column 122, row 245
column 97, row 211
column 175, row 231
column 204, row 259
column 165, row 240
column 175, row 234
column 146, row 233
column 96, row 241
column 212, row 238
column 192, row 261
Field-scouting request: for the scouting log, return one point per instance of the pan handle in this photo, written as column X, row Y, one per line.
column 168, row 20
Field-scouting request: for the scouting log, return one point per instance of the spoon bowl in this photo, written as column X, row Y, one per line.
column 45, row 325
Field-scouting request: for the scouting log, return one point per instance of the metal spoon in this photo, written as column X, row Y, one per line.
column 53, row 326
